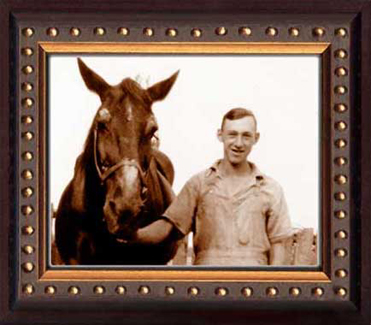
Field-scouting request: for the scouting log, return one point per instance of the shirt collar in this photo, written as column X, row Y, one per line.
column 215, row 170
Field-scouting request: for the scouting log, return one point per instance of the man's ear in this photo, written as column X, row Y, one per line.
column 219, row 135
column 257, row 137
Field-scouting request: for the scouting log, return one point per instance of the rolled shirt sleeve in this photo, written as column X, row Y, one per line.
column 182, row 210
column 279, row 224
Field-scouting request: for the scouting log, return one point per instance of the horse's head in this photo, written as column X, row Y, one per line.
column 122, row 131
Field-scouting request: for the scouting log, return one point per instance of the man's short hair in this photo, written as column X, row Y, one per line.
column 238, row 113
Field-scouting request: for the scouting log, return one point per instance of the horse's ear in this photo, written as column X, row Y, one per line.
column 160, row 90
column 92, row 80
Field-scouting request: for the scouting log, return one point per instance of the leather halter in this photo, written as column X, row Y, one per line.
column 123, row 162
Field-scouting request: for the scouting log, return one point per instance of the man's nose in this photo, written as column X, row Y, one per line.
column 238, row 142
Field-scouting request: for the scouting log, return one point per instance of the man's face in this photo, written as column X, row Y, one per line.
column 238, row 137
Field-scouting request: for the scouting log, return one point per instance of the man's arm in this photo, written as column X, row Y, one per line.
column 277, row 254
column 154, row 233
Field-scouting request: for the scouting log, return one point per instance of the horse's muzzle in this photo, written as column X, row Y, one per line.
column 121, row 220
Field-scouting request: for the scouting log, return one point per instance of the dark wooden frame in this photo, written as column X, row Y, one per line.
column 353, row 310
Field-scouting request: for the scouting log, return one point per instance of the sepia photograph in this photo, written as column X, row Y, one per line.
column 184, row 160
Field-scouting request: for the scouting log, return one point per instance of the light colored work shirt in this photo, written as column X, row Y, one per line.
column 233, row 230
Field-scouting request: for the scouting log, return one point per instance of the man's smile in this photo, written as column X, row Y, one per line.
column 238, row 151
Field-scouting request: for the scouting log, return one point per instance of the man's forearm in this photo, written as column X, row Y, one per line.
column 277, row 254
column 154, row 233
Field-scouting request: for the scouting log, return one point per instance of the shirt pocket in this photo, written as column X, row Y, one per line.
column 211, row 222
column 250, row 220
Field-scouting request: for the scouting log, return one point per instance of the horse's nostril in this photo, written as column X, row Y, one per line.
column 125, row 215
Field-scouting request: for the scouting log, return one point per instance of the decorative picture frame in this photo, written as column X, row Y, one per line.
column 336, row 292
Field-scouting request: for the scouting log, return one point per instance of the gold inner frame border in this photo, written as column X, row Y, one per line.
column 49, row 274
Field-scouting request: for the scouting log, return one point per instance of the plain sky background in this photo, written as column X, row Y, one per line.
column 282, row 91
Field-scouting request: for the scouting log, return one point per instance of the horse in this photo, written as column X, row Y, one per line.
column 121, row 182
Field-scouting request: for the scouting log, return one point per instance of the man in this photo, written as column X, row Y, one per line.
column 238, row 215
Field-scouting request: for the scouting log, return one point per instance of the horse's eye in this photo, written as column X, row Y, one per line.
column 102, row 126
column 152, row 131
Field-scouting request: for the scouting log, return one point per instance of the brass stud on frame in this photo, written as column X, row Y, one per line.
column 295, row 292
column 27, row 51
column 120, row 290
column 318, row 292
column 221, row 292
column 341, row 54
column 27, row 192
column 28, row 32
column 28, row 136
column 28, row 289
column 27, row 210
column 169, row 291
column 28, row 69
column 340, row 126
column 271, row 31
column 27, row 102
column 28, row 267
column 99, row 290
column 272, row 292
column 341, row 273
column 341, row 72
column 221, row 31
column 341, row 179
column 144, row 290
column 74, row 290
column 341, row 108
column 148, row 31
column 247, row 292
column 245, row 31
column 74, row 31
column 294, row 32
column 28, row 230
column 27, row 119
column 28, row 249
column 340, row 214
column 340, row 143
column 341, row 90
column 196, row 32
column 50, row 290
column 318, row 32
column 341, row 252
column 341, row 234
column 340, row 196
column 27, row 86
column 341, row 292
column 341, row 32
column 193, row 291
column 99, row 31
column 27, row 156
column 341, row 161
column 27, row 174
column 171, row 32
column 123, row 31
column 52, row 32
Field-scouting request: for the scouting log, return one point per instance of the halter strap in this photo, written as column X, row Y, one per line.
column 124, row 162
